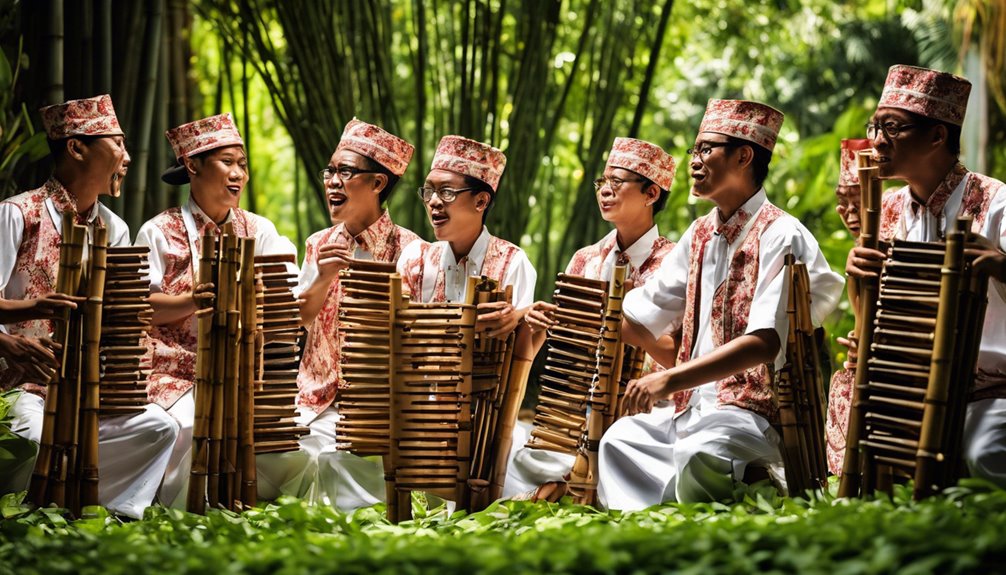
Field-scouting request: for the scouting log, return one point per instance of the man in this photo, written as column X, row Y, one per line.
column 847, row 192
column 90, row 160
column 635, row 185
column 359, row 179
column 722, row 286
column 916, row 134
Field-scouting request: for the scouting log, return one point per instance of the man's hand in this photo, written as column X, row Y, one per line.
column 864, row 262
column 540, row 316
column 496, row 319
column 851, row 342
column 50, row 306
column 988, row 258
column 641, row 394
column 333, row 258
column 35, row 359
column 203, row 295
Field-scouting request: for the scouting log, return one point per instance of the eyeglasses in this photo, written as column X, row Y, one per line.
column 889, row 129
column 446, row 195
column 703, row 150
column 613, row 183
column 345, row 173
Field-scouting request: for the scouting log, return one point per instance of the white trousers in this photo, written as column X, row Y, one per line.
column 654, row 457
column 530, row 468
column 133, row 452
column 344, row 481
column 985, row 440
column 276, row 473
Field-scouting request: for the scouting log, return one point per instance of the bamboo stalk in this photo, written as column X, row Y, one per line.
column 249, row 339
column 203, row 385
column 88, row 436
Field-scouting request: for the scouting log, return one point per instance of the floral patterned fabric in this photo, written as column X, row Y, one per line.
column 848, row 174
column 470, row 158
column 383, row 147
column 836, row 427
column 172, row 347
column 318, row 380
column 646, row 159
column 751, row 389
column 928, row 93
column 204, row 135
column 29, row 260
column 87, row 117
column 751, row 121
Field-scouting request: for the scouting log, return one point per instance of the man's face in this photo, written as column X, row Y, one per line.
column 351, row 200
column 107, row 159
column 712, row 168
column 220, row 177
column 900, row 156
column 459, row 219
column 848, row 207
column 622, row 198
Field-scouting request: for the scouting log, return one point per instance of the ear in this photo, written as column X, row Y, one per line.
column 190, row 166
column 482, row 201
column 75, row 149
column 380, row 182
column 652, row 193
column 745, row 156
column 940, row 136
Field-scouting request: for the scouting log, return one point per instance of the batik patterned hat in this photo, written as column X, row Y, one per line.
column 384, row 148
column 751, row 121
column 204, row 135
column 470, row 158
column 848, row 175
column 87, row 117
column 646, row 159
column 930, row 93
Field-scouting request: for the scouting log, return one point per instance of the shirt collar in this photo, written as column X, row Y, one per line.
column 938, row 200
column 202, row 220
column 639, row 250
column 475, row 256
column 376, row 237
column 63, row 200
column 731, row 229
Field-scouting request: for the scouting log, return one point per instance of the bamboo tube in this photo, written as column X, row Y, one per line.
column 203, row 384
column 88, row 437
column 230, row 466
column 930, row 454
column 871, row 191
column 249, row 337
column 399, row 504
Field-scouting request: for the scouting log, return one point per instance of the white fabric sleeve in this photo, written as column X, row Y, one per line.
column 269, row 242
column 309, row 269
column 522, row 276
column 11, row 233
column 659, row 304
column 152, row 237
column 118, row 229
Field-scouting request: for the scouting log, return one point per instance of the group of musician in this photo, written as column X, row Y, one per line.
column 709, row 310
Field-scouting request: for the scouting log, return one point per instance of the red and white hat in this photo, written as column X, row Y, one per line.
column 87, row 117
column 751, row 121
column 646, row 159
column 848, row 175
column 470, row 158
column 204, row 135
column 930, row 93
column 384, row 148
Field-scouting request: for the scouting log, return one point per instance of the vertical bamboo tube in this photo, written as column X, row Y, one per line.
column 88, row 437
column 871, row 191
column 249, row 337
column 399, row 504
column 464, row 455
column 520, row 369
column 203, row 385
column 229, row 453
column 930, row 455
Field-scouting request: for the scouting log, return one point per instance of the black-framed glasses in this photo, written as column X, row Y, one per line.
column 703, row 150
column 889, row 129
column 613, row 183
column 345, row 173
column 446, row 195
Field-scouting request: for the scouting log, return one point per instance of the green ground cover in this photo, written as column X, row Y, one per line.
column 963, row 531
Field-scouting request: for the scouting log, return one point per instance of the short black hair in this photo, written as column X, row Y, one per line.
column 953, row 131
column 762, row 158
column 372, row 165
column 478, row 186
column 58, row 147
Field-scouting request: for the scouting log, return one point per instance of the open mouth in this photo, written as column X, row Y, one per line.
column 336, row 200
column 234, row 190
column 438, row 219
column 606, row 206
column 698, row 176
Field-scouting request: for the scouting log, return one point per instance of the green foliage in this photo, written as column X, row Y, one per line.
column 959, row 532
column 19, row 142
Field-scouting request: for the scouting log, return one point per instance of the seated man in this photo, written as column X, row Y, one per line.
column 634, row 187
column 694, row 428
column 90, row 160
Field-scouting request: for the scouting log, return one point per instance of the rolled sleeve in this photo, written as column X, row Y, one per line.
column 522, row 276
column 659, row 304
column 152, row 237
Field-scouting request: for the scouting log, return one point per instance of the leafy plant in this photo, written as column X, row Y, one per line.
column 18, row 139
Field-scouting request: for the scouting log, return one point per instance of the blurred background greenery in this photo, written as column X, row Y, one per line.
column 551, row 82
